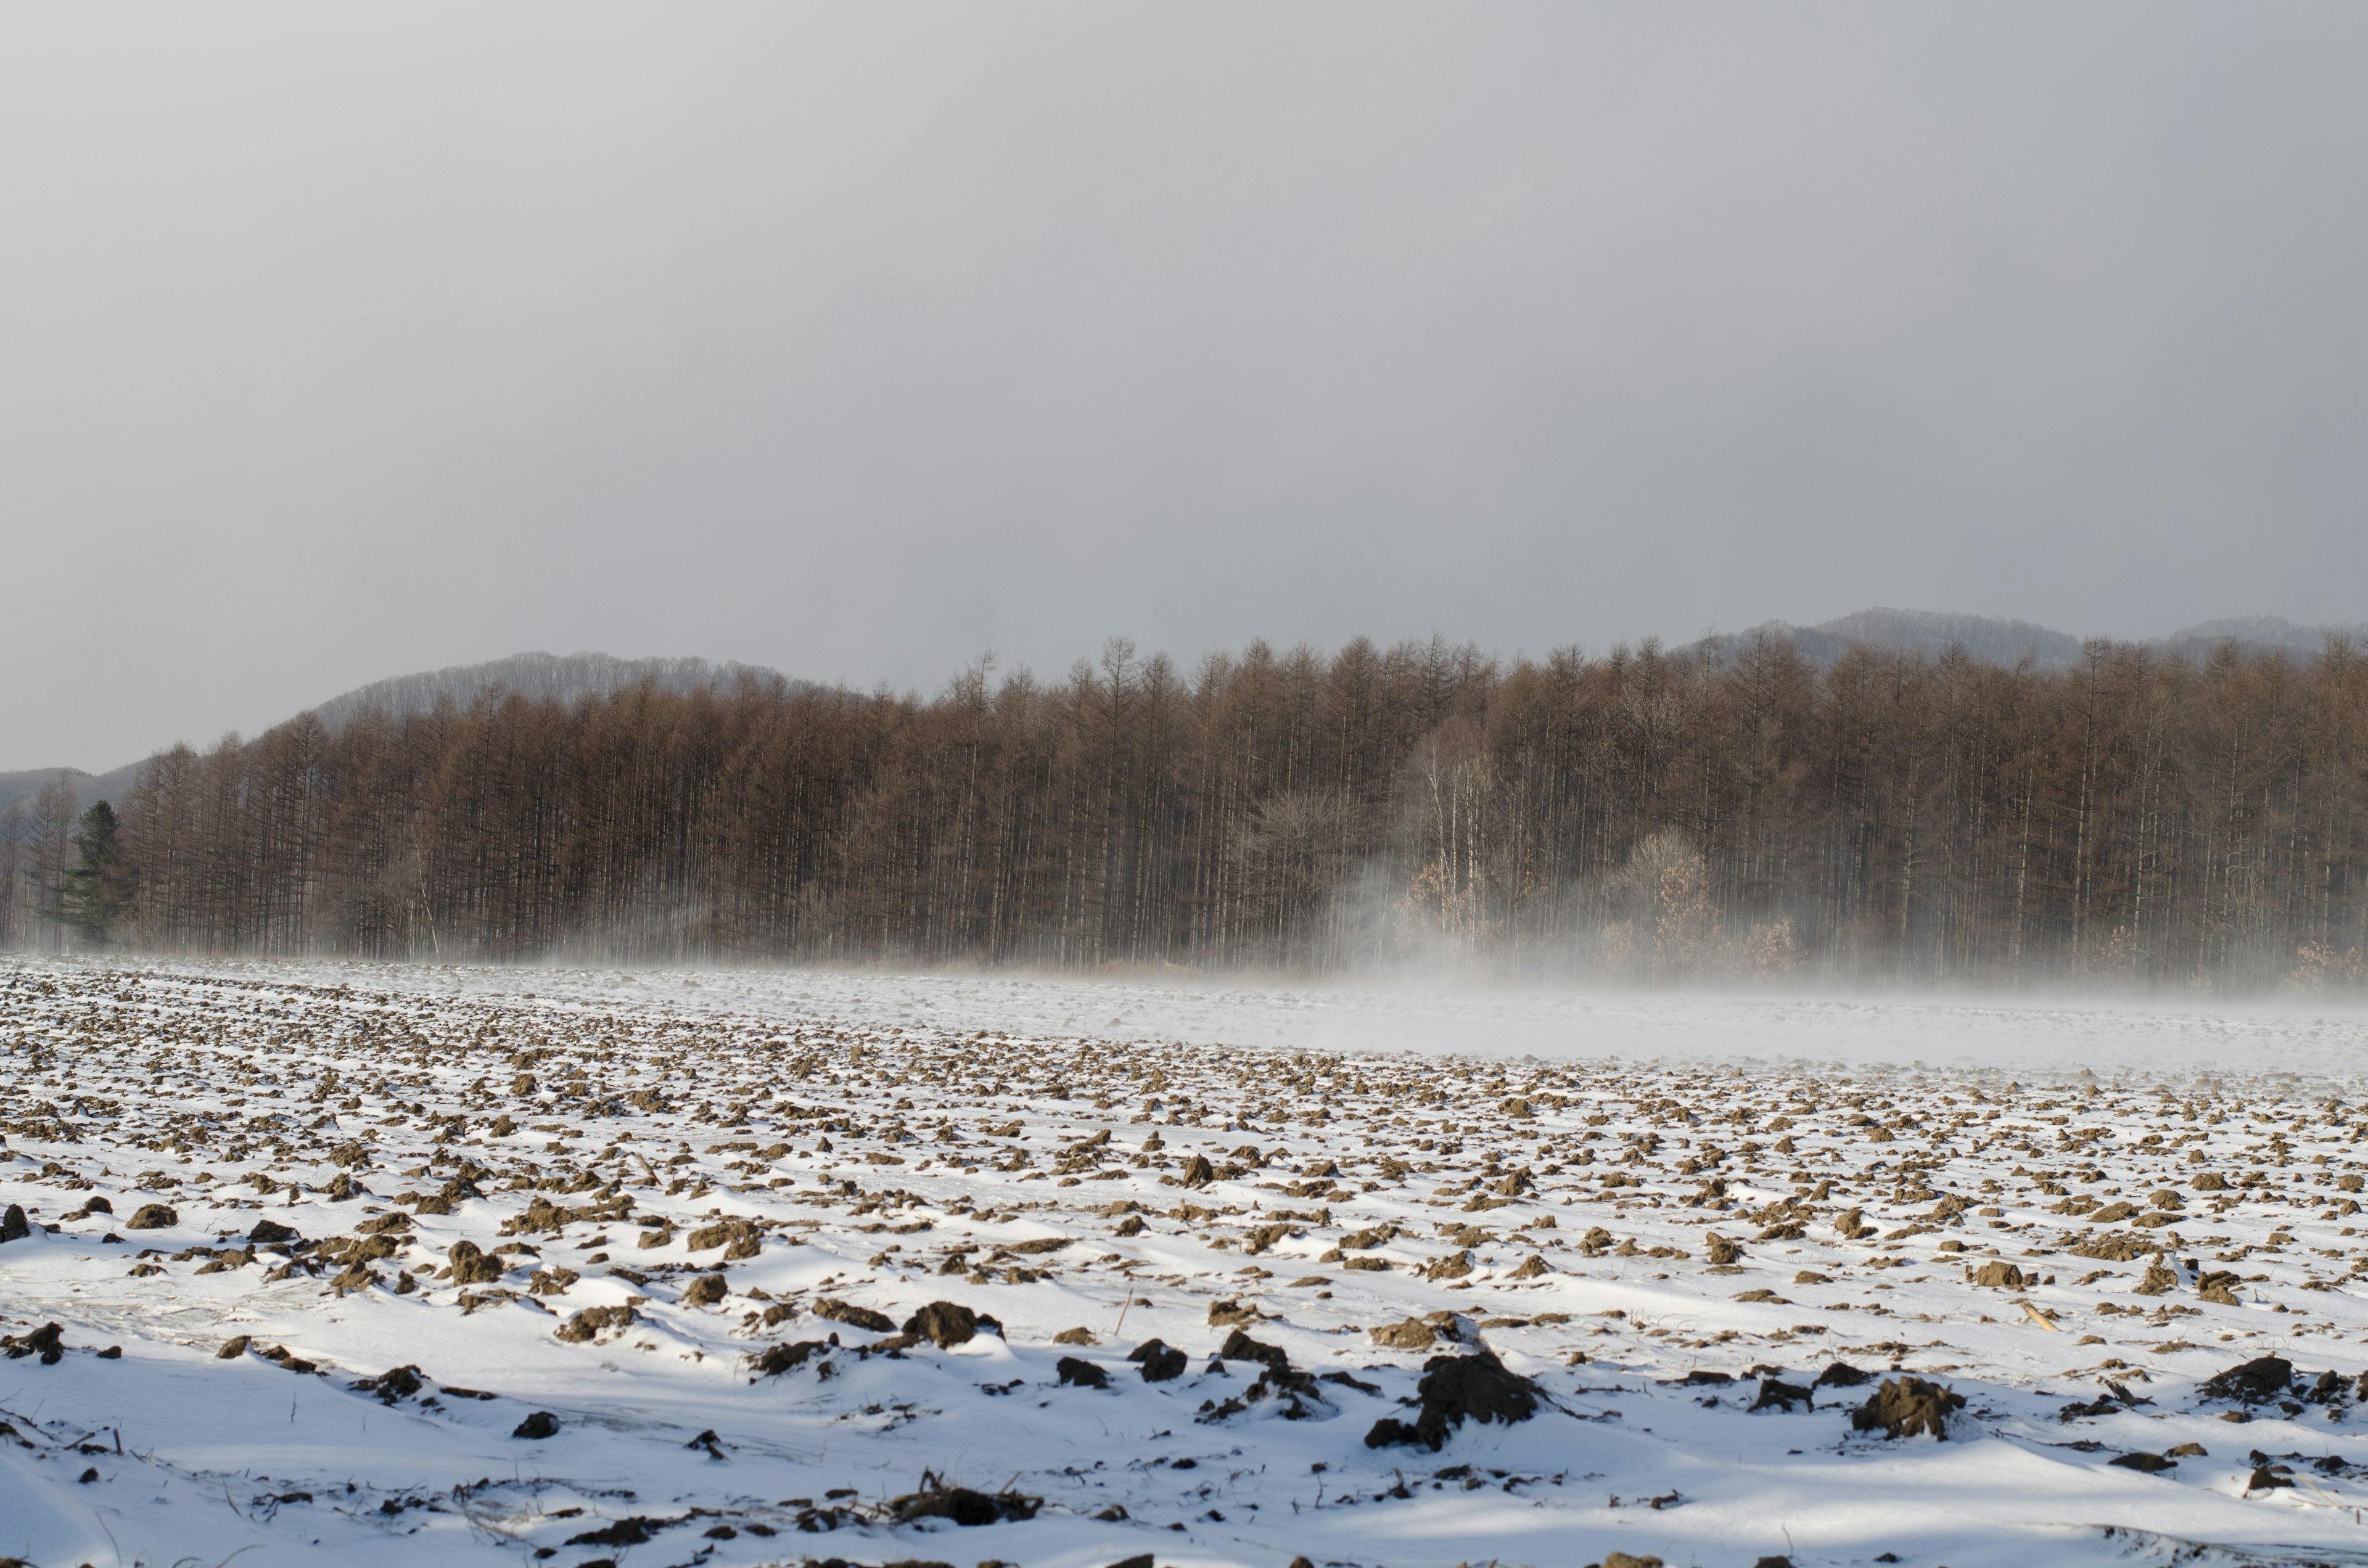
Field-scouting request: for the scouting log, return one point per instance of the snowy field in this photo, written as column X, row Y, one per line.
column 456, row 1266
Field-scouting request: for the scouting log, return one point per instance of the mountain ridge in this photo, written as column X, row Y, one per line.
column 2002, row 640
column 563, row 677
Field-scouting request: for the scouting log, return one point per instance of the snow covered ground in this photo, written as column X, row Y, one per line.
column 327, row 1244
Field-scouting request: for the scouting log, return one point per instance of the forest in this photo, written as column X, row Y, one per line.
column 1738, row 813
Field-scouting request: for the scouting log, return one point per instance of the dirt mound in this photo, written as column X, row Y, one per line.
column 774, row 1359
column 2249, row 1382
column 1422, row 1332
column 1083, row 1373
column 1262, row 1238
column 398, row 1383
column 1412, row 1334
column 1161, row 1361
column 472, row 1267
column 586, row 1325
column 636, row 1529
column 1455, row 1389
column 1906, row 1407
column 2114, row 1248
column 1782, row 1396
column 855, row 1316
column 944, row 1325
column 1277, row 1379
column 936, row 1500
column 1240, row 1346
column 718, row 1234
column 47, row 1342
column 2220, row 1285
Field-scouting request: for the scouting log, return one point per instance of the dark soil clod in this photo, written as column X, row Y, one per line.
column 1160, row 1361
column 1454, row 1389
column 963, row 1507
column 1084, row 1374
column 399, row 1384
column 1782, row 1396
column 2249, row 1382
column 1240, row 1346
column 636, row 1531
column 471, row 1266
column 944, row 1325
column 586, row 1325
column 47, row 1342
column 1909, row 1407
column 854, row 1316
column 774, row 1359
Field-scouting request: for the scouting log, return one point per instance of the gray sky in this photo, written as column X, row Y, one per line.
column 337, row 342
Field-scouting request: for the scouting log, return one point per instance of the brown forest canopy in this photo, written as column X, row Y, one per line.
column 1644, row 813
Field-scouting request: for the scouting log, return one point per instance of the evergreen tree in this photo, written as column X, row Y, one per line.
column 92, row 897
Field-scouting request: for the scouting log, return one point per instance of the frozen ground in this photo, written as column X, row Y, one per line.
column 682, row 1220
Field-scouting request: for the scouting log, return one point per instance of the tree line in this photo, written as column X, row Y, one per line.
column 1734, row 811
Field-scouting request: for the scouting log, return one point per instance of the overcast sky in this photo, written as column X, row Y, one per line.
column 337, row 342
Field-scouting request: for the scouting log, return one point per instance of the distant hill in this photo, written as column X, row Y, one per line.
column 1994, row 640
column 561, row 676
column 564, row 676
column 87, row 787
column 2256, row 634
column 1989, row 639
